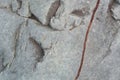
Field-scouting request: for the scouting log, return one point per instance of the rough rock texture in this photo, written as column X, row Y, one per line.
column 44, row 10
column 116, row 11
column 43, row 40
column 21, row 7
column 5, row 3
column 118, row 1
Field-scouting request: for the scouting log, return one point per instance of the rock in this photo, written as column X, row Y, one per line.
column 116, row 11
column 15, row 5
column 24, row 10
column 1, row 61
column 21, row 7
column 66, row 17
column 44, row 10
column 7, row 29
column 58, row 29
column 5, row 3
column 118, row 1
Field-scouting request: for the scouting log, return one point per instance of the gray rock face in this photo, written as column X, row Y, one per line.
column 1, row 61
column 118, row 1
column 116, row 11
column 21, row 7
column 43, row 40
column 69, row 15
column 44, row 10
column 5, row 3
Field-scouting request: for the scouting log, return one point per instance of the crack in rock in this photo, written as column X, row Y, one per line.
column 52, row 10
column 2, row 66
column 81, row 12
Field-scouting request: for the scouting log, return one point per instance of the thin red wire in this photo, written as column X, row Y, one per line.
column 85, row 41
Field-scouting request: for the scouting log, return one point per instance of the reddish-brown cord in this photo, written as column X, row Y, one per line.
column 85, row 41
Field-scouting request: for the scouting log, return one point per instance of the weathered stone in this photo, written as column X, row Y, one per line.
column 9, row 22
column 21, row 7
column 116, row 12
column 24, row 9
column 44, row 10
column 5, row 3
column 15, row 5
column 118, row 1
column 66, row 18
column 1, row 61
column 60, row 37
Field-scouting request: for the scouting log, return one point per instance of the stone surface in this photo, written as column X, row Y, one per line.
column 118, row 1
column 1, row 61
column 5, row 3
column 44, row 10
column 58, row 27
column 21, row 7
column 116, row 11
column 66, row 19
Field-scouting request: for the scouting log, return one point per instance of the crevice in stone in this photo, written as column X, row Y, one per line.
column 20, row 3
column 39, row 51
column 15, row 12
column 10, row 9
column 16, row 43
column 34, row 18
column 3, row 7
column 37, row 20
column 81, row 12
column 109, row 11
column 1, row 62
column 77, row 13
column 56, row 5
column 110, row 6
column 52, row 10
